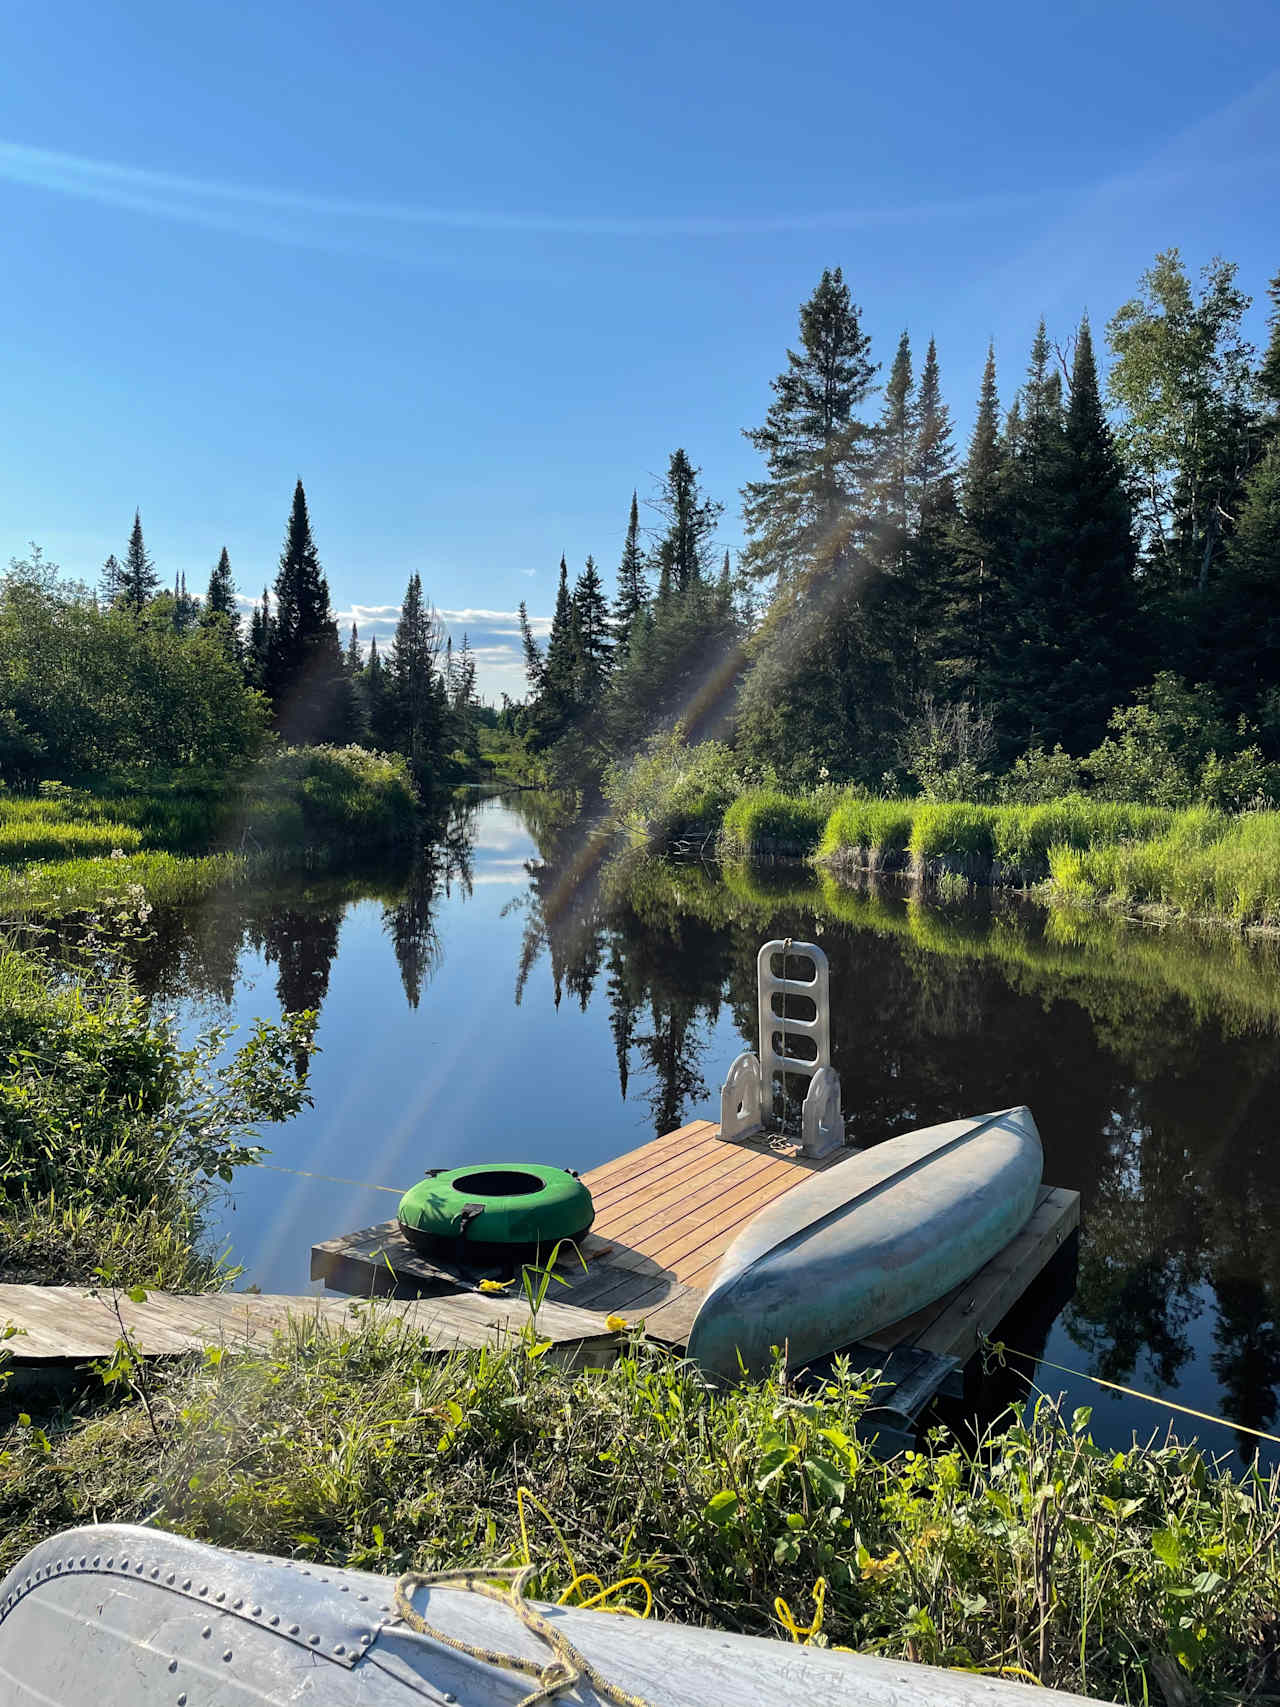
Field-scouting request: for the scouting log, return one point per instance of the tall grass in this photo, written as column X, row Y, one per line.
column 765, row 821
column 1204, row 865
column 129, row 883
column 880, row 829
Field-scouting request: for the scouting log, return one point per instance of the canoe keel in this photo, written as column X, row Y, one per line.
column 868, row 1242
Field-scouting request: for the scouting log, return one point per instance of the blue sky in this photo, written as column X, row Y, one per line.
column 474, row 271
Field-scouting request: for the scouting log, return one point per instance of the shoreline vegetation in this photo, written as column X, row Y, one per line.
column 1197, row 862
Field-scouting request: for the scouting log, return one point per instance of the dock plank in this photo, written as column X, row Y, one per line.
column 68, row 1325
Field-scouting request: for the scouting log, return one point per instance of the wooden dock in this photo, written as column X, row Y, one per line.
column 60, row 1328
column 666, row 1213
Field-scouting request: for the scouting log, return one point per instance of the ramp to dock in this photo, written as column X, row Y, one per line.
column 62, row 1327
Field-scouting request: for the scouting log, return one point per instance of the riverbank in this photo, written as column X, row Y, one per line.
column 1194, row 863
column 168, row 840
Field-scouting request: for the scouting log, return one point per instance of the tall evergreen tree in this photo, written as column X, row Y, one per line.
column 1247, row 625
column 809, row 513
column 417, row 685
column 112, row 580
column 219, row 610
column 1269, row 371
column 305, row 677
column 138, row 580
column 684, row 551
column 352, row 662
column 633, row 583
column 591, row 638
column 376, row 701
column 896, row 456
column 1079, row 624
column 557, row 702
column 257, row 659
column 980, row 538
column 533, row 660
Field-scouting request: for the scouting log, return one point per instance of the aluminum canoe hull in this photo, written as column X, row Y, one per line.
column 868, row 1242
column 122, row 1616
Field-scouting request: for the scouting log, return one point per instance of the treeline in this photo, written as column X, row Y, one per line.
column 904, row 617
column 131, row 676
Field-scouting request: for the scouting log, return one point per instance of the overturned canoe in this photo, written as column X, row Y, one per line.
column 121, row 1616
column 868, row 1242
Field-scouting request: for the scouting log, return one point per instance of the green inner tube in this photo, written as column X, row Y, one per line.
column 519, row 1205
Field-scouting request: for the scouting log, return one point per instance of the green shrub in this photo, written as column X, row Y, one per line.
column 1038, row 776
column 673, row 789
column 764, row 820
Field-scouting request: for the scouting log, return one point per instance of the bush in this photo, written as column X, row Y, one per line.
column 674, row 790
column 765, row 821
column 99, row 1101
column 1172, row 747
column 1038, row 776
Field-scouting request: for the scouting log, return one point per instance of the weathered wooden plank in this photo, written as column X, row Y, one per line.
column 66, row 1325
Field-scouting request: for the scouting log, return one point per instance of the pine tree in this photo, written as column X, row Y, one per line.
column 933, row 465
column 1247, row 629
column 417, row 688
column 138, row 581
column 808, row 513
column 352, row 661
column 591, row 638
column 1269, row 371
column 112, row 580
column 685, row 548
column 897, row 450
column 534, row 663
column 557, row 701
column 257, row 658
column 219, row 610
column 378, row 707
column 1082, row 642
column 980, row 539
column 633, row 583
column 304, row 677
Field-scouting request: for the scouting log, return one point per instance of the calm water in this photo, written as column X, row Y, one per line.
column 514, row 995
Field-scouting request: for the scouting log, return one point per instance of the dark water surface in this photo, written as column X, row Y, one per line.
column 515, row 995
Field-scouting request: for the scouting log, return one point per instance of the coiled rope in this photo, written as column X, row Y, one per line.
column 569, row 1665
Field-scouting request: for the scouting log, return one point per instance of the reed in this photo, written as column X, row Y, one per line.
column 765, row 821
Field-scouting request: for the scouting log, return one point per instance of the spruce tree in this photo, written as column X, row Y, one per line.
column 1085, row 636
column 304, row 677
column 972, row 611
column 417, row 687
column 685, row 548
column 928, row 573
column 808, row 513
column 219, row 611
column 897, row 449
column 377, row 706
column 112, row 580
column 534, row 664
column 591, row 638
column 352, row 660
column 138, row 581
column 1269, row 371
column 1247, row 626
column 557, row 701
column 633, row 584
column 257, row 659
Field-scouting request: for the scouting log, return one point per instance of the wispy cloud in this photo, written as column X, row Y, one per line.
column 215, row 201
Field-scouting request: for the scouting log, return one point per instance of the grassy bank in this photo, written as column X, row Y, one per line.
column 1040, row 1556
column 122, row 841
column 1192, row 863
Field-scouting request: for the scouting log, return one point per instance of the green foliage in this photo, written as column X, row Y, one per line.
column 86, row 690
column 673, row 789
column 44, row 829
column 98, row 1098
column 1037, row 776
column 1039, row 1554
column 1206, row 865
column 766, row 821
column 1171, row 747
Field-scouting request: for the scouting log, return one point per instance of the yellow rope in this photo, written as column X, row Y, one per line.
column 331, row 1179
column 1134, row 1393
column 569, row 1665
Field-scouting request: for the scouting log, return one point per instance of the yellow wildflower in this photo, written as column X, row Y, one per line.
column 495, row 1285
column 875, row 1570
column 615, row 1324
